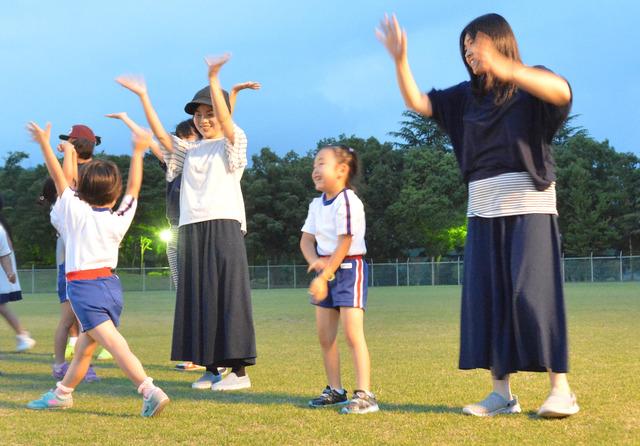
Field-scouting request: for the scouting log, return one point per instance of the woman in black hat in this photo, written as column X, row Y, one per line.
column 213, row 323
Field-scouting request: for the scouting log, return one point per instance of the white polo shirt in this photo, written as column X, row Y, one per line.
column 91, row 236
column 211, row 175
column 329, row 219
column 6, row 249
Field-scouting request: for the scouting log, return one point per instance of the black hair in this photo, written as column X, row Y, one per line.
column 49, row 194
column 501, row 34
column 186, row 128
column 346, row 155
column 99, row 182
column 4, row 222
column 84, row 147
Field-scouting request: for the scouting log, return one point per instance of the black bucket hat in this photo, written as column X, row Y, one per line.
column 203, row 96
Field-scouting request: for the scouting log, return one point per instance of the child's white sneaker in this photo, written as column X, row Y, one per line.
column 206, row 381
column 232, row 382
column 24, row 342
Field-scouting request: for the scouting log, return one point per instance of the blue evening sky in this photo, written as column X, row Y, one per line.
column 322, row 70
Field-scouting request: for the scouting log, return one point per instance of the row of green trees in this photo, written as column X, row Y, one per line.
column 414, row 199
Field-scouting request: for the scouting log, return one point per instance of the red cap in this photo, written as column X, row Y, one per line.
column 81, row 131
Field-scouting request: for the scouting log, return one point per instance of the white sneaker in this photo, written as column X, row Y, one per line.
column 232, row 382
column 493, row 404
column 206, row 381
column 559, row 406
column 24, row 342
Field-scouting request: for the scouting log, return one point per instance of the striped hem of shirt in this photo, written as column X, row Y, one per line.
column 509, row 194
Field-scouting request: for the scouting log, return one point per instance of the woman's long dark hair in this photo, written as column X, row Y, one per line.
column 498, row 29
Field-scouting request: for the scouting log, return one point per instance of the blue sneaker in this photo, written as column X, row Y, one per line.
column 50, row 400
column 156, row 402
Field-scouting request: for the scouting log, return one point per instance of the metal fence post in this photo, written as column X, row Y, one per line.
column 621, row 280
column 268, row 276
column 408, row 282
column 33, row 278
column 458, row 263
column 591, row 261
column 397, row 274
column 295, row 281
column 564, row 278
column 144, row 279
column 372, row 281
column 433, row 272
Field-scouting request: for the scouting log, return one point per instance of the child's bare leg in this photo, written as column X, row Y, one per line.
column 11, row 318
column 502, row 386
column 67, row 320
column 327, row 324
column 74, row 330
column 107, row 335
column 559, row 383
column 81, row 361
column 353, row 326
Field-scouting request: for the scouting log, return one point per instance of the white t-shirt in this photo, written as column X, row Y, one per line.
column 7, row 287
column 342, row 215
column 91, row 236
column 211, row 176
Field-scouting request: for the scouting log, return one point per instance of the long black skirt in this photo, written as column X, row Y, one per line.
column 513, row 316
column 213, row 322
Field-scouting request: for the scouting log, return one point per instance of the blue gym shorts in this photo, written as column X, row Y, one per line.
column 62, row 284
column 96, row 301
column 349, row 288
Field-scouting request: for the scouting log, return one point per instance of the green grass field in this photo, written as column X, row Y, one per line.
column 413, row 340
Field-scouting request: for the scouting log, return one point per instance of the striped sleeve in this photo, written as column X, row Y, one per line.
column 124, row 215
column 237, row 152
column 344, row 223
column 175, row 159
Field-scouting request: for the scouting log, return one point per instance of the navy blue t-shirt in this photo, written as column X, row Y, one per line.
column 489, row 140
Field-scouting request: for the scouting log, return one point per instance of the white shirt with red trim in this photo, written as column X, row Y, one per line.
column 329, row 219
column 91, row 236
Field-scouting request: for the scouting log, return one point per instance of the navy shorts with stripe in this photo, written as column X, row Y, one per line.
column 349, row 288
column 62, row 284
column 96, row 301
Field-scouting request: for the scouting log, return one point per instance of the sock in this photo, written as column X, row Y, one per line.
column 147, row 387
column 73, row 340
column 213, row 369
column 62, row 391
column 239, row 371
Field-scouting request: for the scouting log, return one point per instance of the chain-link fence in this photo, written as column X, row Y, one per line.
column 407, row 273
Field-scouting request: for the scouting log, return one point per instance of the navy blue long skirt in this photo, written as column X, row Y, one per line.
column 513, row 316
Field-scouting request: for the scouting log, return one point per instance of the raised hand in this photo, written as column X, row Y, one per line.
column 119, row 115
column 252, row 85
column 215, row 63
column 141, row 139
column 484, row 58
column 39, row 135
column 64, row 145
column 393, row 37
column 134, row 83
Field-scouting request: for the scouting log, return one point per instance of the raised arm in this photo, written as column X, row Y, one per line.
column 237, row 88
column 69, row 163
column 42, row 137
column 394, row 38
column 139, row 87
column 543, row 84
column 223, row 114
column 141, row 141
column 134, row 127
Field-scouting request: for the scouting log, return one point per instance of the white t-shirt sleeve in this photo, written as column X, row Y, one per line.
column 124, row 215
column 67, row 212
column 310, row 223
column 5, row 249
column 237, row 152
column 349, row 216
